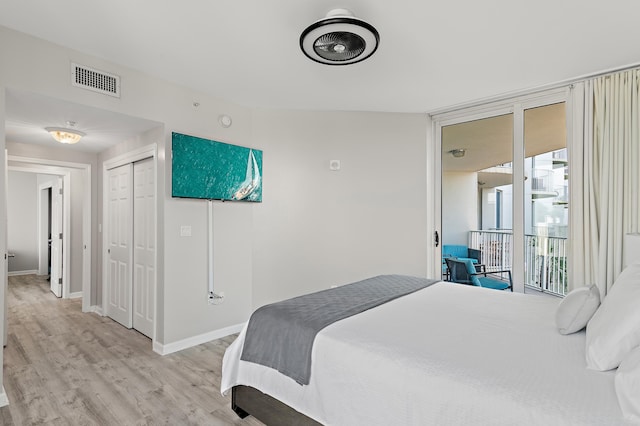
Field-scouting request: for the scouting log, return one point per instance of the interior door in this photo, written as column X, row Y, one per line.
column 119, row 243
column 144, row 252
column 57, row 194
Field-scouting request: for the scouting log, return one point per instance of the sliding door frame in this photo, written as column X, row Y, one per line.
column 515, row 106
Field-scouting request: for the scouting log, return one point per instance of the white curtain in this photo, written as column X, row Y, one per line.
column 608, row 181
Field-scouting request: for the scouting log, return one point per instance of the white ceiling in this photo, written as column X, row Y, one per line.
column 27, row 115
column 432, row 54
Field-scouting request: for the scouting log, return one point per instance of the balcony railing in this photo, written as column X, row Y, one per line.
column 545, row 258
column 542, row 180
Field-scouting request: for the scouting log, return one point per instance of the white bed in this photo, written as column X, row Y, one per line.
column 445, row 355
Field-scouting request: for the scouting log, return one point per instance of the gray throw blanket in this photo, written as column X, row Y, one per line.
column 281, row 335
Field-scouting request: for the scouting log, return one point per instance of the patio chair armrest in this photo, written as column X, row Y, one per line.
column 508, row 271
column 485, row 273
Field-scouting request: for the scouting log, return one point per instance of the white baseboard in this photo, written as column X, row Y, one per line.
column 96, row 309
column 30, row 272
column 195, row 340
column 4, row 400
column 76, row 295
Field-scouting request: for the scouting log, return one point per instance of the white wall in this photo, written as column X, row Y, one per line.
column 3, row 237
column 186, row 309
column 315, row 227
column 459, row 206
column 37, row 66
column 76, row 192
column 22, row 236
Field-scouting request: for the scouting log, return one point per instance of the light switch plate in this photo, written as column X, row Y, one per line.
column 185, row 230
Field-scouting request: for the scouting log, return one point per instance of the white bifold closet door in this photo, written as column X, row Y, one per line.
column 131, row 235
column 120, row 254
column 144, row 247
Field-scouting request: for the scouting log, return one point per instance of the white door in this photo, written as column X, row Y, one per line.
column 144, row 251
column 119, row 243
column 55, row 278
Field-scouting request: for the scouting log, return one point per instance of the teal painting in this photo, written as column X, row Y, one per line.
column 208, row 169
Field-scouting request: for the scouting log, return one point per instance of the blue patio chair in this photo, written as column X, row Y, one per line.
column 466, row 272
column 459, row 252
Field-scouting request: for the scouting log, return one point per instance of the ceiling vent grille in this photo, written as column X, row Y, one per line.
column 95, row 80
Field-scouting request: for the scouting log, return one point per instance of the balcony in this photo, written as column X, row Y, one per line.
column 542, row 184
column 545, row 258
column 560, row 159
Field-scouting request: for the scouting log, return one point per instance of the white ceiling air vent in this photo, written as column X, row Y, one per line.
column 95, row 80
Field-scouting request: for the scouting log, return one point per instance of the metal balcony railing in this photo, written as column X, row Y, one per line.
column 559, row 155
column 542, row 180
column 545, row 258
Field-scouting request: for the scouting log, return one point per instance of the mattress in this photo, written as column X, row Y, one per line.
column 446, row 355
column 281, row 335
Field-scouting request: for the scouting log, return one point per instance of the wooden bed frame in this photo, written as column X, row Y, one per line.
column 247, row 401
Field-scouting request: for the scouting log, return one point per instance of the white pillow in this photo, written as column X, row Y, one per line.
column 577, row 308
column 627, row 383
column 614, row 329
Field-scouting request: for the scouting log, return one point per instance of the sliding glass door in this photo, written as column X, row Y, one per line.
column 546, row 198
column 477, row 191
column 503, row 188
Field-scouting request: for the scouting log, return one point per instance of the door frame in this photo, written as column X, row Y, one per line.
column 64, row 168
column 516, row 106
column 148, row 151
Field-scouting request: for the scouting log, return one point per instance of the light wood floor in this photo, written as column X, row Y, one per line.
column 65, row 367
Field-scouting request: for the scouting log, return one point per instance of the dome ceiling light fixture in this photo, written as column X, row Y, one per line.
column 66, row 135
column 339, row 39
column 457, row 152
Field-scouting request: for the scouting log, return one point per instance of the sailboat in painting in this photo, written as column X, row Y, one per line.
column 252, row 180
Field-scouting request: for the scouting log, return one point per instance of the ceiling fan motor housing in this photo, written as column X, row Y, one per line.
column 339, row 39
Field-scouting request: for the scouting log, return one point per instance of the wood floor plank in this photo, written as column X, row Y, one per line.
column 66, row 367
column 79, row 408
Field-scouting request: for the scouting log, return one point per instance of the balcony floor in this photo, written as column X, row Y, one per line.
column 528, row 290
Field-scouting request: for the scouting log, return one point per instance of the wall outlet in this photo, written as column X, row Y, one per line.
column 185, row 230
column 216, row 298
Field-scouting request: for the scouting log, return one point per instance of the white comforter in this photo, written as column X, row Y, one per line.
column 446, row 355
